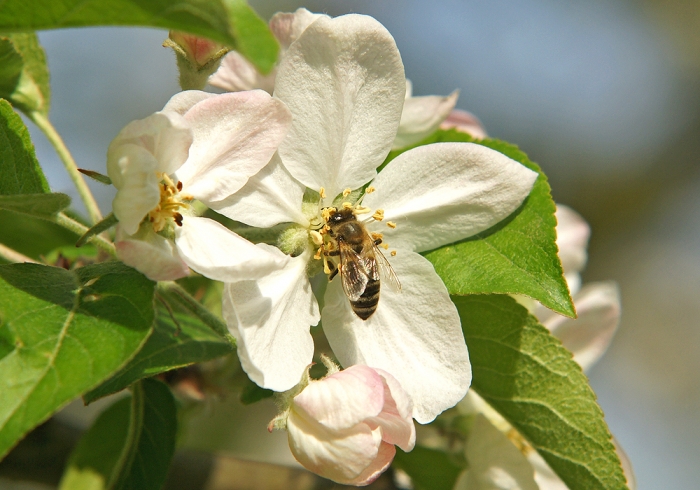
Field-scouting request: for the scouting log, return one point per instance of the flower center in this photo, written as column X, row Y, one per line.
column 171, row 201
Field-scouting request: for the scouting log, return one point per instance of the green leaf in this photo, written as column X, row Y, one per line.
column 532, row 381
column 518, row 255
column 252, row 393
column 69, row 330
column 20, row 172
column 34, row 237
column 231, row 22
column 129, row 446
column 101, row 178
column 166, row 349
column 109, row 221
column 39, row 205
column 429, row 469
column 27, row 88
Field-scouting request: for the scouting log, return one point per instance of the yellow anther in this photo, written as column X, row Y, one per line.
column 347, row 205
column 385, row 246
column 187, row 197
column 326, row 269
column 326, row 213
column 361, row 209
column 317, row 255
column 376, row 235
column 316, row 237
column 393, row 253
column 347, row 192
column 378, row 215
column 322, row 193
column 391, row 224
column 326, row 228
column 370, row 190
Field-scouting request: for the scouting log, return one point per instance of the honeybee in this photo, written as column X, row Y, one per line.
column 360, row 261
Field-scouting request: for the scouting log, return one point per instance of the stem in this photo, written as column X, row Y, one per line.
column 175, row 292
column 126, row 458
column 80, row 229
column 56, row 141
column 13, row 256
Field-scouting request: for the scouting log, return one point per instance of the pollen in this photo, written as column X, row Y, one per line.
column 385, row 246
column 361, row 209
column 393, row 253
column 391, row 224
column 370, row 190
column 322, row 193
column 347, row 205
column 316, row 237
column 326, row 213
column 171, row 201
column 347, row 192
column 376, row 235
column 378, row 215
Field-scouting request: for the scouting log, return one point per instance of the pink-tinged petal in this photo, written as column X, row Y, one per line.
column 494, row 461
column 422, row 116
column 381, row 462
column 150, row 254
column 166, row 136
column 343, row 80
column 236, row 74
column 269, row 197
column 466, row 122
column 415, row 335
column 339, row 455
column 572, row 239
column 396, row 418
column 182, row 102
column 270, row 319
column 343, row 399
column 288, row 26
column 441, row 193
column 588, row 337
column 235, row 135
column 218, row 253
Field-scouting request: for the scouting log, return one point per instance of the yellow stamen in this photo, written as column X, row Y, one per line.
column 393, row 253
column 370, row 190
column 391, row 224
column 322, row 193
column 378, row 215
column 385, row 246
column 316, row 237
column 347, row 192
column 347, row 205
column 317, row 255
column 326, row 213
column 361, row 209
column 376, row 235
column 326, row 269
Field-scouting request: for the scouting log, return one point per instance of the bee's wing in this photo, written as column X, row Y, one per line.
column 353, row 272
column 388, row 274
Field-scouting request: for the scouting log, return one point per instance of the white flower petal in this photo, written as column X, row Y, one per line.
column 150, row 254
column 182, row 102
column 218, row 253
column 441, row 193
column 342, row 456
column 343, row 81
column 422, row 116
column 396, row 418
column 269, row 197
column 494, row 462
column 572, row 239
column 343, row 399
column 588, row 337
column 415, row 335
column 466, row 122
column 138, row 192
column 237, row 73
column 235, row 135
column 288, row 26
column 270, row 319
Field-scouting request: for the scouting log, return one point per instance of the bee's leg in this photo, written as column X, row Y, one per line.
column 332, row 253
column 334, row 271
column 378, row 241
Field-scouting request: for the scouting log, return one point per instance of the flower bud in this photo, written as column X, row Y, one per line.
column 197, row 58
column 345, row 426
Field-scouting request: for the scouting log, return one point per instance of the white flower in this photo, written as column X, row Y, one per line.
column 466, row 122
column 201, row 146
column 344, row 427
column 344, row 83
column 421, row 115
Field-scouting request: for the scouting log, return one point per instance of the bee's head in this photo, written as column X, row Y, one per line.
column 338, row 216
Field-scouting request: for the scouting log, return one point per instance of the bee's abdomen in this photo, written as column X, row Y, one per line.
column 366, row 305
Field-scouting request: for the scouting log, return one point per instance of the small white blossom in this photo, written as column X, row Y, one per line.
column 344, row 83
column 200, row 146
column 345, row 426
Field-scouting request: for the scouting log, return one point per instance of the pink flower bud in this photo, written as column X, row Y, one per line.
column 345, row 426
column 466, row 122
column 198, row 50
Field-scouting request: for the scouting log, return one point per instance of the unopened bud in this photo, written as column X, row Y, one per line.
column 197, row 58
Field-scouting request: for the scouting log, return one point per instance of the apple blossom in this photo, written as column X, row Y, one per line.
column 421, row 115
column 200, row 146
column 344, row 427
column 466, row 122
column 344, row 83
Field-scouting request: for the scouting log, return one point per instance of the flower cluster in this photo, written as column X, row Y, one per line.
column 310, row 159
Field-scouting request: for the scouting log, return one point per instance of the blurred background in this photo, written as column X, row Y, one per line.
column 604, row 95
